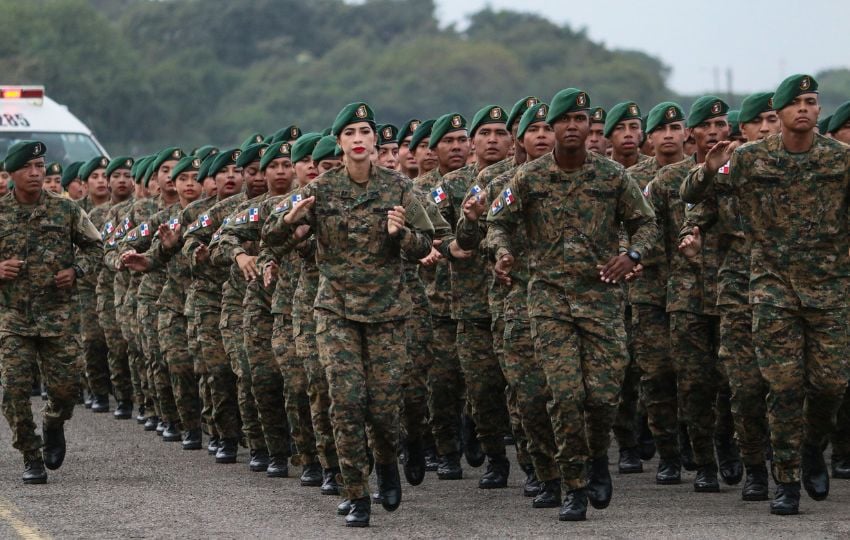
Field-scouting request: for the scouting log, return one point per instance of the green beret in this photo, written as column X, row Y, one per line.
column 491, row 114
column 138, row 168
column 280, row 149
column 444, row 125
column 327, row 131
column 167, row 154
column 303, row 147
column 792, row 87
column 90, row 166
column 704, row 108
column 627, row 110
column 351, row 114
column 662, row 114
column 149, row 172
column 250, row 154
column 71, row 173
column 326, row 148
column 733, row 116
column 122, row 162
column 598, row 115
column 535, row 113
column 422, row 132
column 566, row 101
column 204, row 151
column 387, row 134
column 755, row 104
column 186, row 164
column 53, row 169
column 838, row 118
column 407, row 130
column 823, row 125
column 222, row 160
column 289, row 133
column 256, row 138
column 519, row 109
column 22, row 152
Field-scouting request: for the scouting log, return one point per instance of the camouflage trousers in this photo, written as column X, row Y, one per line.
column 157, row 367
column 414, row 382
column 526, row 377
column 266, row 380
column 694, row 343
column 802, row 354
column 485, row 384
column 233, row 340
column 317, row 391
column 171, row 328
column 650, row 344
column 95, row 352
column 584, row 361
column 220, row 378
column 201, row 372
column 625, row 422
column 295, row 388
column 446, row 387
column 137, row 374
column 57, row 361
column 841, row 437
column 497, row 329
column 117, row 347
column 364, row 364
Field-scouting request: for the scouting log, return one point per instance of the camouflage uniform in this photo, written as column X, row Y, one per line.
column 38, row 321
column 572, row 221
column 95, row 351
column 360, row 307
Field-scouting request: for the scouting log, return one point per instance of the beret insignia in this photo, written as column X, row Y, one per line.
column 456, row 121
column 414, row 125
column 530, row 102
column 36, row 149
column 176, row 154
column 597, row 114
column 293, row 132
column 360, row 112
column 196, row 163
column 581, row 99
column 284, row 148
column 262, row 152
column 671, row 113
column 128, row 163
column 542, row 112
column 716, row 107
column 805, row 83
column 770, row 102
column 495, row 113
column 104, row 162
column 633, row 110
column 388, row 132
column 235, row 155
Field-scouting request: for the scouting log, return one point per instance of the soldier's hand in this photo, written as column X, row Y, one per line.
column 301, row 233
column 10, row 268
column 135, row 262
column 270, row 271
column 503, row 268
column 434, row 257
column 64, row 279
column 169, row 237
column 616, row 268
column 395, row 220
column 635, row 273
column 299, row 210
column 691, row 245
column 248, row 265
column 457, row 252
column 475, row 207
column 202, row 254
column 719, row 154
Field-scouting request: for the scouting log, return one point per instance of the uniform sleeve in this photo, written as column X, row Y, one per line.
column 702, row 215
column 637, row 216
column 470, row 233
column 505, row 216
column 279, row 234
column 89, row 252
column 415, row 238
column 111, row 249
column 696, row 185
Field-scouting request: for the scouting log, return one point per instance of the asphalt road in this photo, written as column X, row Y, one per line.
column 121, row 482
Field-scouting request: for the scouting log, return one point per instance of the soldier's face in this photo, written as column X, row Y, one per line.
column 426, row 159
column 538, row 140
column 4, row 183
column 76, row 189
column 843, row 133
column 626, row 137
column 163, row 178
column 279, row 174
column 187, row 186
column 801, row 115
column 710, row 132
column 253, row 178
column 327, row 164
column 358, row 141
column 669, row 139
column 305, row 171
column 97, row 183
column 453, row 150
column 228, row 181
column 766, row 123
column 596, row 141
column 388, row 156
column 53, row 183
column 492, row 142
column 405, row 156
column 210, row 187
column 30, row 178
column 571, row 130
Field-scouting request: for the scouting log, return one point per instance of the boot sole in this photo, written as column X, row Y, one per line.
column 192, row 446
column 34, row 481
column 99, row 411
column 311, row 483
column 630, row 471
column 671, row 482
column 173, row 438
column 356, row 524
column 546, row 505
column 277, row 474
column 449, row 476
column 493, row 486
column 122, row 416
column 225, row 461
column 784, row 512
column 711, row 489
column 572, row 518
column 751, row 498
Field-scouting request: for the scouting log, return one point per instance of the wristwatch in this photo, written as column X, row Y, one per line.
column 633, row 255
column 78, row 271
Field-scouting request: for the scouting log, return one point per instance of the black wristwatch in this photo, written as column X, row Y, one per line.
column 634, row 256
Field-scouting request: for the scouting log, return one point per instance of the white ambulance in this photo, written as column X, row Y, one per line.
column 26, row 113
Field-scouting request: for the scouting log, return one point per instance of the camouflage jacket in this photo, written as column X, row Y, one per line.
column 571, row 221
column 97, row 216
column 438, row 287
column 112, row 227
column 140, row 239
column 651, row 288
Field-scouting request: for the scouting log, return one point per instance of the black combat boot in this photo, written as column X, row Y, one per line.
column 343, row 508
column 755, row 486
column 389, row 485
column 669, row 472
column 432, row 462
column 414, row 463
column 123, row 411
column 171, row 433
column 227, row 450
column 729, row 458
column 311, row 475
column 329, row 483
column 599, row 486
column 450, row 468
column 151, row 423
column 575, row 506
column 100, row 404
column 213, row 445
column 278, row 466
column 532, row 486
column 496, row 474
column 192, row 440
column 471, row 446
column 549, row 496
column 53, row 452
column 706, row 479
column 358, row 515
column 140, row 418
column 786, row 499
column 815, row 475
column 840, row 466
column 259, row 461
column 34, row 472
column 629, row 462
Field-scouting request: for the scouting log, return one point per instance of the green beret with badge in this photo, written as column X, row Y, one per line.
column 326, row 148
column 445, row 125
column 353, row 113
column 99, row 162
column 71, row 173
column 204, row 169
column 536, row 113
column 705, row 108
column 204, row 151
column 22, row 152
column 627, row 110
column 222, row 160
column 566, row 101
column 666, row 112
column 422, row 132
column 792, row 87
column 598, row 115
column 387, row 134
column 289, row 133
column 250, row 154
column 491, row 114
column 838, row 118
column 138, row 168
column 171, row 153
column 120, row 162
column 280, row 149
column 303, row 147
column 519, row 109
column 255, row 138
column 755, row 104
column 150, row 171
column 53, row 169
column 186, row 164
column 733, row 117
column 407, row 129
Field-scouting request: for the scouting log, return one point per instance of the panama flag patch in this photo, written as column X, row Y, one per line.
column 725, row 168
column 205, row 220
column 173, row 223
column 497, row 206
column 254, row 215
column 144, row 229
column 439, row 195
column 509, row 197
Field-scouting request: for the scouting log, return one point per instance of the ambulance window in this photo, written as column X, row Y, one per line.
column 62, row 147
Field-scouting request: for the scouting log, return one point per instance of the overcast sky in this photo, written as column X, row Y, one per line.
column 761, row 41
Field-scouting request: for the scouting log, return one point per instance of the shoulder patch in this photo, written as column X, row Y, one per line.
column 439, row 195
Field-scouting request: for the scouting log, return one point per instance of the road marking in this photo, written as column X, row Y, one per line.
column 9, row 515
